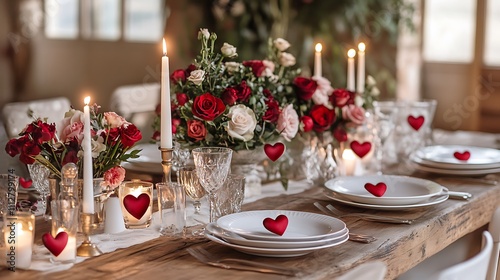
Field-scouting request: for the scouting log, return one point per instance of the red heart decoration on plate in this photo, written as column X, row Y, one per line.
column 274, row 152
column 462, row 156
column 416, row 122
column 277, row 226
column 25, row 183
column 361, row 149
column 377, row 190
column 136, row 206
column 55, row 245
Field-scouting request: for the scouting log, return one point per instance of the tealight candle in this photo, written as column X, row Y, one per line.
column 69, row 252
column 349, row 160
column 19, row 231
column 136, row 198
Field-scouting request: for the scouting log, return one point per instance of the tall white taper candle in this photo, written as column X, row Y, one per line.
column 361, row 68
column 317, row 60
column 88, row 177
column 350, row 70
column 166, row 115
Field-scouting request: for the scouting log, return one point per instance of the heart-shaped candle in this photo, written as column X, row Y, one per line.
column 377, row 190
column 416, row 122
column 25, row 183
column 55, row 245
column 462, row 156
column 136, row 206
column 361, row 149
column 277, row 226
column 275, row 151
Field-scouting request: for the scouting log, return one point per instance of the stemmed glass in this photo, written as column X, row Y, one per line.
column 212, row 166
column 40, row 176
column 385, row 113
column 188, row 178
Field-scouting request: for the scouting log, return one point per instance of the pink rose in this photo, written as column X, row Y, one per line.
column 114, row 120
column 114, row 176
column 288, row 123
column 68, row 126
column 74, row 130
column 354, row 114
column 323, row 91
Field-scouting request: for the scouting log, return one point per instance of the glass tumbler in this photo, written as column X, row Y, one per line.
column 136, row 199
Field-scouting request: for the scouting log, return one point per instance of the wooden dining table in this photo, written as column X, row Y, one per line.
column 399, row 246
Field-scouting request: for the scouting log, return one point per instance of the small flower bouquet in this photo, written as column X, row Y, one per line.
column 112, row 140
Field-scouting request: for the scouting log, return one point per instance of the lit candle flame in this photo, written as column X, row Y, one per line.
column 361, row 47
column 86, row 100
column 351, row 53
column 318, row 47
column 348, row 154
column 164, row 47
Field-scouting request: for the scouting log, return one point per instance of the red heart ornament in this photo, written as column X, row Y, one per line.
column 136, row 206
column 416, row 122
column 361, row 149
column 377, row 190
column 277, row 226
column 55, row 245
column 274, row 152
column 25, row 183
column 462, row 156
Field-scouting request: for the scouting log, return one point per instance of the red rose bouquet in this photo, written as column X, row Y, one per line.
column 112, row 139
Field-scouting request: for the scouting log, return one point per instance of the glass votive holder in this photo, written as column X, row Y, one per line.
column 19, row 233
column 136, row 199
column 64, row 221
column 229, row 198
column 172, row 207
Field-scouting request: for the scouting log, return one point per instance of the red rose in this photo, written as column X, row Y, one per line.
column 28, row 152
column 342, row 97
column 208, row 107
column 182, row 98
column 178, row 76
column 13, row 147
column 243, row 91
column 256, row 65
column 111, row 136
column 190, row 69
column 196, row 130
column 273, row 111
column 156, row 135
column 175, row 124
column 267, row 93
column 322, row 117
column 305, row 87
column 229, row 96
column 130, row 135
column 340, row 134
column 307, row 123
column 71, row 156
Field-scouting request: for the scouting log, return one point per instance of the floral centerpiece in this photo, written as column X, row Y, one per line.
column 112, row 140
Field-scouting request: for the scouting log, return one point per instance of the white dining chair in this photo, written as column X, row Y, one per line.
column 16, row 117
column 374, row 270
column 137, row 104
column 494, row 229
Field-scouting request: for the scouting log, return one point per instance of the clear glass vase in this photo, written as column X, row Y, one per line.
column 246, row 163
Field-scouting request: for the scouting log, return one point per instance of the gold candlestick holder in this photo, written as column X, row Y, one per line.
column 166, row 162
column 87, row 249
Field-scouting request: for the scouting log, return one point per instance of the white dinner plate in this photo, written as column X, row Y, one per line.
column 459, row 172
column 401, row 190
column 274, row 244
column 431, row 201
column 274, row 252
column 441, row 156
column 149, row 159
column 302, row 226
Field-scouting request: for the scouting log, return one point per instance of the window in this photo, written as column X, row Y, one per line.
column 492, row 39
column 102, row 19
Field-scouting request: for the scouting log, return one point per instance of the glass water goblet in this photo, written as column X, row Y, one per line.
column 188, row 179
column 212, row 167
column 385, row 113
column 40, row 176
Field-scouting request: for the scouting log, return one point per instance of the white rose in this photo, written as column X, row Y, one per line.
column 197, row 77
column 288, row 123
column 281, row 44
column 287, row 59
column 97, row 146
column 228, row 50
column 323, row 91
column 232, row 66
column 203, row 33
column 358, row 101
column 370, row 81
column 375, row 91
column 242, row 122
column 113, row 119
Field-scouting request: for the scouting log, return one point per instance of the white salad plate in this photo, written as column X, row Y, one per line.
column 274, row 252
column 430, row 201
column 459, row 172
column 302, row 226
column 239, row 240
column 401, row 190
column 442, row 156
column 149, row 159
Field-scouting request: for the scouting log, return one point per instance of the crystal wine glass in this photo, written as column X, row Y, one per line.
column 212, row 166
column 188, row 178
column 40, row 176
column 385, row 113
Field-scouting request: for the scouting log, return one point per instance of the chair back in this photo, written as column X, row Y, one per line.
column 494, row 229
column 374, row 270
column 474, row 268
column 16, row 115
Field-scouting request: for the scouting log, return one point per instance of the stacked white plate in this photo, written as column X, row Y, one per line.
column 402, row 192
column 440, row 159
column 306, row 232
column 149, row 159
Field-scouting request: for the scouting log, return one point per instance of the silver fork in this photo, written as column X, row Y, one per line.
column 369, row 217
column 231, row 263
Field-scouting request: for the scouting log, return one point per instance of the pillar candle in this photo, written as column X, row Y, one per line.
column 350, row 70
column 166, row 115
column 361, row 68
column 88, row 185
column 349, row 160
column 317, row 60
